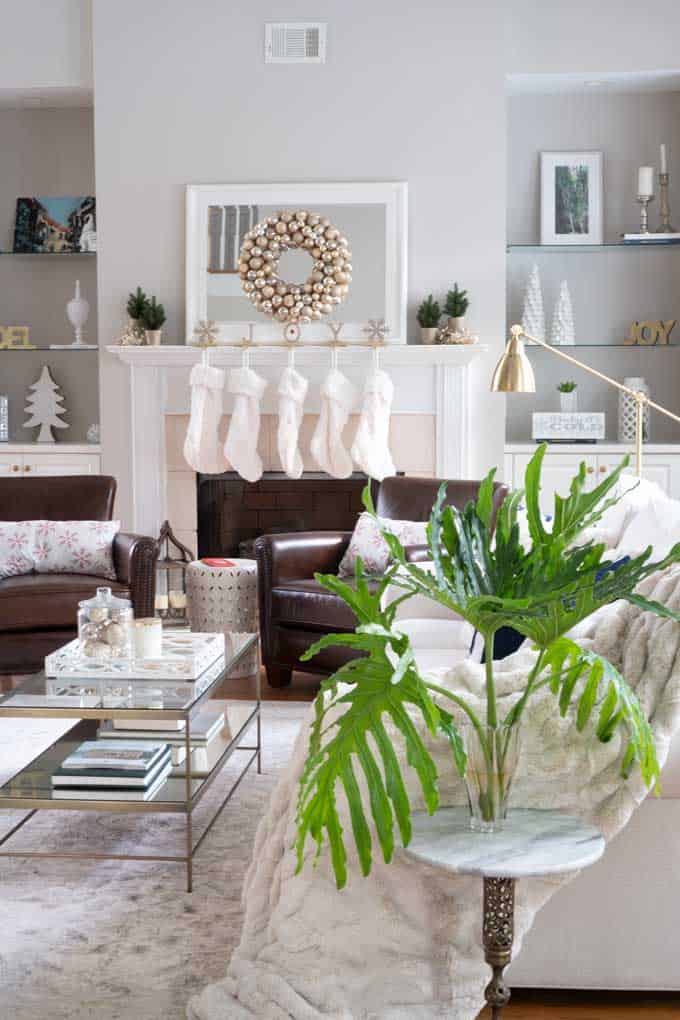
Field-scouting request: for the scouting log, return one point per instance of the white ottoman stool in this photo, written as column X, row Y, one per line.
column 225, row 599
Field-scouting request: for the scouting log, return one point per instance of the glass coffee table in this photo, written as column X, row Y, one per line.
column 95, row 701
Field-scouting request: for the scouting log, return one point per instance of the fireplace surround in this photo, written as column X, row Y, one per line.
column 232, row 513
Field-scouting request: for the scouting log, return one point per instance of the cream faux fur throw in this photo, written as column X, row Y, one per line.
column 405, row 943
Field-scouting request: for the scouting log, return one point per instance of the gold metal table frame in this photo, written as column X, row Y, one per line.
column 26, row 792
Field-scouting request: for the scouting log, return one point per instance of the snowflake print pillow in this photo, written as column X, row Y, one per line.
column 368, row 543
column 75, row 547
column 16, row 548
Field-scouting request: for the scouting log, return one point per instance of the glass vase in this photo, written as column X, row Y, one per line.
column 492, row 757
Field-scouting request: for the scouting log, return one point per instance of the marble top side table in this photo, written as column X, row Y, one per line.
column 532, row 844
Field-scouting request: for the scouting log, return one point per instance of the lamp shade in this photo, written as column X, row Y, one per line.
column 513, row 373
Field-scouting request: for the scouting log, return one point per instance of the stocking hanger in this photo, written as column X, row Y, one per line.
column 335, row 346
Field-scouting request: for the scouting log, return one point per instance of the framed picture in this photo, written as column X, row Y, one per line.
column 59, row 223
column 571, row 198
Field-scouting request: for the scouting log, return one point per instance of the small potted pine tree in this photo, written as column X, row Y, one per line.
column 568, row 396
column 455, row 307
column 137, row 302
column 153, row 318
column 428, row 315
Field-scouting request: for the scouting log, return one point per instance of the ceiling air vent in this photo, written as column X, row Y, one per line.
column 295, row 42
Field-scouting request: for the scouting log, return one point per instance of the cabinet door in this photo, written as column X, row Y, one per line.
column 661, row 468
column 558, row 471
column 61, row 463
column 10, row 463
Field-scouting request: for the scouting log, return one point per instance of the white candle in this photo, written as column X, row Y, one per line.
column 148, row 638
column 664, row 159
column 646, row 181
column 161, row 602
column 178, row 600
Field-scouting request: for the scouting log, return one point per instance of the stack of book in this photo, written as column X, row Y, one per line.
column 206, row 730
column 113, row 770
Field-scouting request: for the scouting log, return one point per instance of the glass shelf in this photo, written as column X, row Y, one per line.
column 53, row 350
column 593, row 249
column 604, row 347
column 30, row 254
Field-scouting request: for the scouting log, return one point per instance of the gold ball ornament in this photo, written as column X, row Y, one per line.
column 327, row 284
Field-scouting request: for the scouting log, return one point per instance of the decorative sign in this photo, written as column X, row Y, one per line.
column 15, row 338
column 648, row 333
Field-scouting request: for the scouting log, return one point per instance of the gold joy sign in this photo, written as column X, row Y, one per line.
column 15, row 338
column 649, row 332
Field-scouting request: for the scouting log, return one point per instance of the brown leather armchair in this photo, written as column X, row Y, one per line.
column 295, row 609
column 38, row 611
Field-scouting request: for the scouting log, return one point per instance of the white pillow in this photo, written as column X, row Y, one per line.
column 74, row 547
column 16, row 548
column 368, row 543
column 657, row 524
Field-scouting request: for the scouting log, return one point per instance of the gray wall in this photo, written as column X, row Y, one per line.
column 46, row 152
column 402, row 97
column 611, row 288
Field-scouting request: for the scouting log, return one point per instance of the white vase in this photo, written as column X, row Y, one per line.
column 456, row 323
column 78, row 310
column 569, row 402
column 627, row 411
column 153, row 337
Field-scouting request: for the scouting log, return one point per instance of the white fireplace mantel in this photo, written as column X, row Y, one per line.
column 427, row 379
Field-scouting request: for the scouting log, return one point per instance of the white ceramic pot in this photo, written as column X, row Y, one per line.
column 153, row 337
column 569, row 402
column 428, row 334
column 456, row 323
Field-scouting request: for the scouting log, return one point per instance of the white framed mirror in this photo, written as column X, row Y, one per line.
column 373, row 218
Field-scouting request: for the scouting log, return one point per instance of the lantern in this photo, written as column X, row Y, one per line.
column 171, row 565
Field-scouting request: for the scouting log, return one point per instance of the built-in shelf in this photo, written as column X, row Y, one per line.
column 606, row 347
column 46, row 347
column 61, row 254
column 591, row 249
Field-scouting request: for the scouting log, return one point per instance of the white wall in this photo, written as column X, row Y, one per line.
column 416, row 99
column 45, row 44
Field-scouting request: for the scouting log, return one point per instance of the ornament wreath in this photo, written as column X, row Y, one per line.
column 326, row 286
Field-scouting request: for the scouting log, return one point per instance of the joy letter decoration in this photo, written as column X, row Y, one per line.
column 650, row 332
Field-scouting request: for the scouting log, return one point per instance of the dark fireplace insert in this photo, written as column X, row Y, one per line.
column 232, row 513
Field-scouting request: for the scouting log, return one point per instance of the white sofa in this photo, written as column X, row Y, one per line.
column 615, row 926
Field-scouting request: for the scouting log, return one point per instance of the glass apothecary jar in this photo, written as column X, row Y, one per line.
column 105, row 627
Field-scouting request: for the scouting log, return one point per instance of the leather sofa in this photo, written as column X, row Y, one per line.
column 38, row 611
column 295, row 609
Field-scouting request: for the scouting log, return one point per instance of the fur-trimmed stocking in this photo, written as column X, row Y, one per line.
column 201, row 445
column 337, row 399
column 240, row 446
column 292, row 392
column 370, row 449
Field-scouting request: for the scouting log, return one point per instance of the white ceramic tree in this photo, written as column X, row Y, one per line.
column 533, row 318
column 45, row 405
column 563, row 331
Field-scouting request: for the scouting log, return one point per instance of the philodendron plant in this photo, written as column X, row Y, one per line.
column 541, row 591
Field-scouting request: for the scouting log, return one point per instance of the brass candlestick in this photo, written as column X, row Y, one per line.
column 643, row 201
column 664, row 206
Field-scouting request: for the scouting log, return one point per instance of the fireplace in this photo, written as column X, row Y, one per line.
column 233, row 512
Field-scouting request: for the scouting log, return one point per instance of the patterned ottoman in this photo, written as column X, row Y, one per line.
column 225, row 599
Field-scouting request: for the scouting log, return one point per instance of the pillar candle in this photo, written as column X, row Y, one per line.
column 646, row 181
column 148, row 638
column 178, row 600
column 161, row 602
column 664, row 160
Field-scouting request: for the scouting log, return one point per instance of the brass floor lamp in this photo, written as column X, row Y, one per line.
column 514, row 374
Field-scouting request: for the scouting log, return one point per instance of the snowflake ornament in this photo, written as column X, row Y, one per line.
column 376, row 329
column 206, row 332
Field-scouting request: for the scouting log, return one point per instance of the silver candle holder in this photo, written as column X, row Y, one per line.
column 664, row 206
column 643, row 202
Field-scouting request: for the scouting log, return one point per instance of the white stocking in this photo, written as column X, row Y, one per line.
column 370, row 449
column 240, row 447
column 337, row 400
column 292, row 393
column 201, row 445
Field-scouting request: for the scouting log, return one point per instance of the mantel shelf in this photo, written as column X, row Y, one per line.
column 416, row 355
column 604, row 347
column 41, row 254
column 590, row 249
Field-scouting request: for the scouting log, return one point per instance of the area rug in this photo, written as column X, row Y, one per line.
column 115, row 941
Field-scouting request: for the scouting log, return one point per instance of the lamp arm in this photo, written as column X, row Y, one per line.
column 641, row 399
